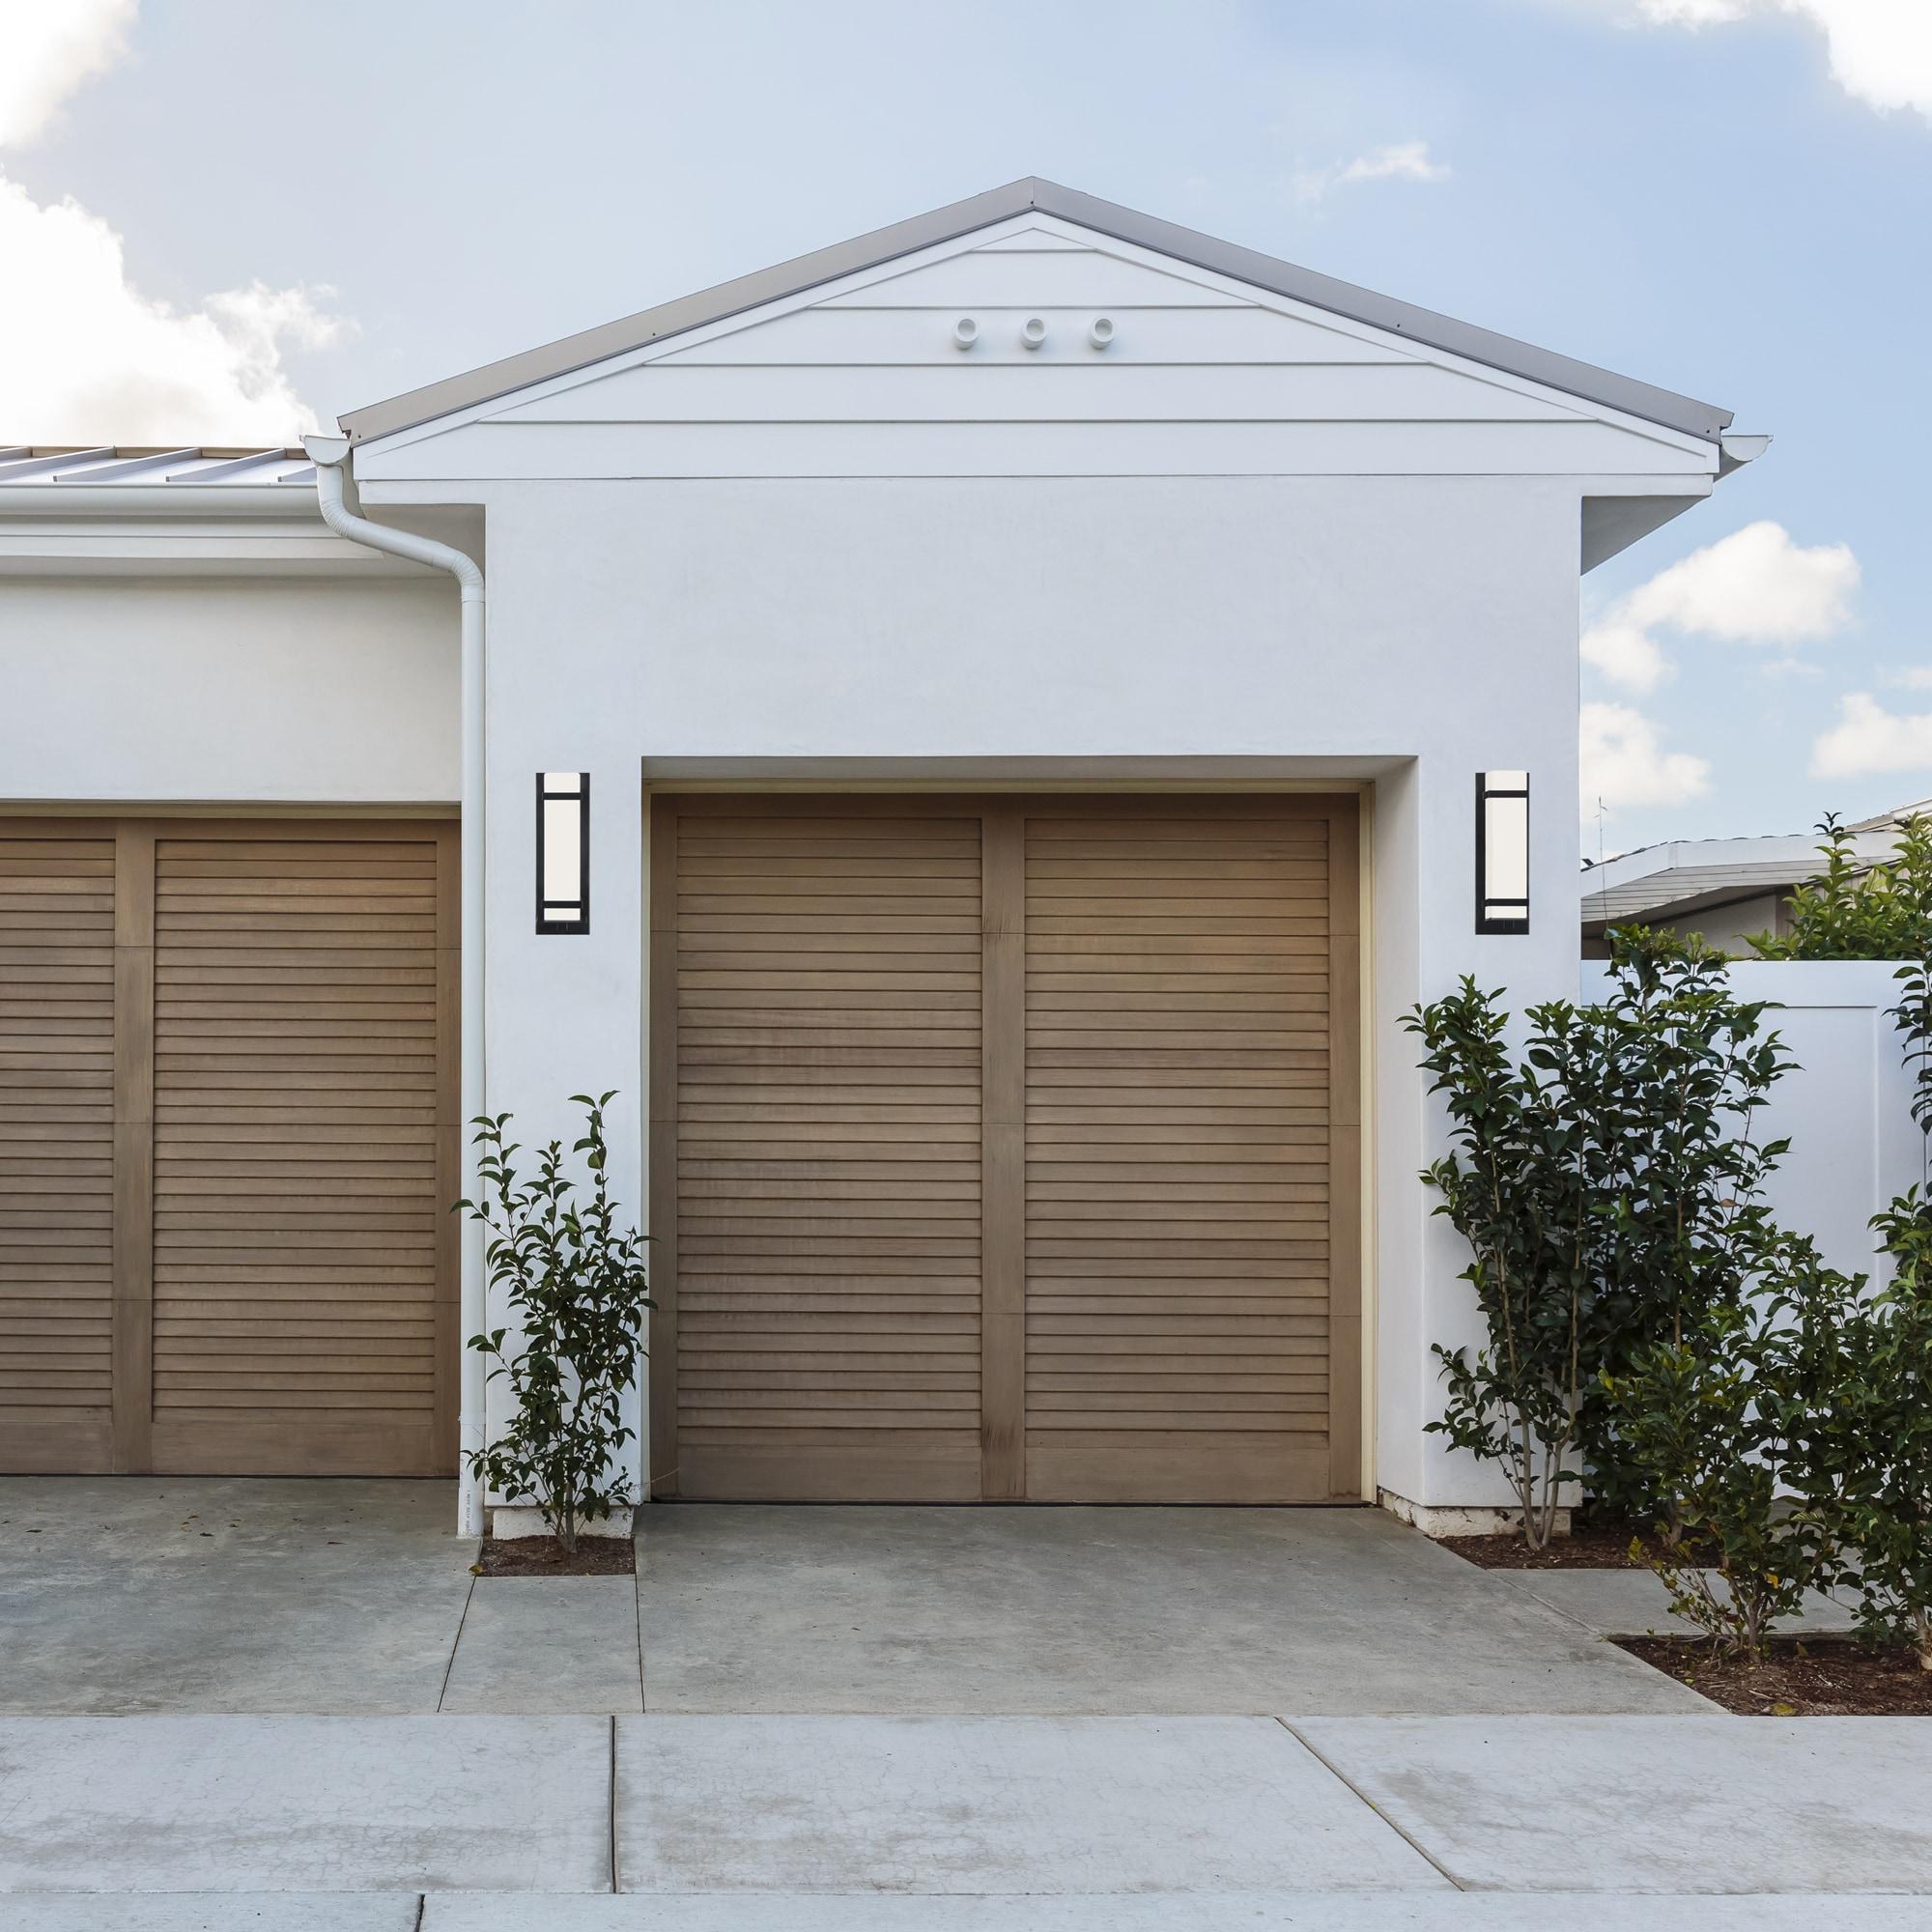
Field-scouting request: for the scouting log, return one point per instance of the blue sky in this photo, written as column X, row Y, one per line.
column 345, row 201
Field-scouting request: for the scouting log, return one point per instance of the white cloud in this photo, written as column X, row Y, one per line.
column 1624, row 762
column 1914, row 677
column 1626, row 654
column 91, row 359
column 1754, row 587
column 84, row 355
column 1404, row 160
column 1692, row 12
column 47, row 50
column 1868, row 739
column 1880, row 50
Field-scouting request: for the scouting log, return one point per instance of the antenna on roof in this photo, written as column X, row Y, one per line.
column 1603, row 892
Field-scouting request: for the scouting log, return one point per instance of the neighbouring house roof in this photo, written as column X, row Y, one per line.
column 150, row 466
column 1685, row 876
column 1033, row 195
column 1886, row 821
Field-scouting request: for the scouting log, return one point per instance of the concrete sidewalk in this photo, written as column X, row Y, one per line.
column 1201, row 1912
column 885, row 1824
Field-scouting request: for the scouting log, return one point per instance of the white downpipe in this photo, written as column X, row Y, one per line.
column 330, row 454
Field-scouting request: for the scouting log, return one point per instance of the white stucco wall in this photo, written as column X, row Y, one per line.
column 1253, row 539
column 125, row 688
column 1136, row 630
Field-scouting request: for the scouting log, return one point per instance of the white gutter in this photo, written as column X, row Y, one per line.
column 81, row 498
column 1735, row 451
column 330, row 454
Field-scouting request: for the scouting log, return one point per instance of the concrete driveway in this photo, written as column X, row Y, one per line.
column 138, row 1593
column 353, row 1598
column 1099, row 1611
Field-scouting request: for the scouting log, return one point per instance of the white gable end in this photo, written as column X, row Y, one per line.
column 1202, row 375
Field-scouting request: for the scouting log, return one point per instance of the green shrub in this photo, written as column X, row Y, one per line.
column 1676, row 1072
column 1516, row 1189
column 1872, row 1485
column 1721, row 1426
column 1611, row 1189
column 576, row 1286
column 1853, row 910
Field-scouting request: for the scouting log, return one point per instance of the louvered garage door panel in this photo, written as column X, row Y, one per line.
column 56, row 1152
column 297, row 1208
column 827, row 1062
column 1178, row 1148
column 1005, row 1148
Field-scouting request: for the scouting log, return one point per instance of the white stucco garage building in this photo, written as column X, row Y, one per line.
column 1033, row 669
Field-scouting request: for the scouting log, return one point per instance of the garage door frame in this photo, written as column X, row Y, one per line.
column 1003, row 819
column 128, row 1445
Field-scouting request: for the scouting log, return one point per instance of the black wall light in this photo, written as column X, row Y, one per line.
column 1503, row 852
column 564, row 851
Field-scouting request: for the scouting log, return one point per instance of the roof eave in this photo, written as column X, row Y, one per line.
column 416, row 406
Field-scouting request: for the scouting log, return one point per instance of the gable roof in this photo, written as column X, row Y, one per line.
column 1033, row 195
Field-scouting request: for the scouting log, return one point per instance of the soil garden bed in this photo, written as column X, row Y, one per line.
column 543, row 1557
column 1589, row 1546
column 1803, row 1677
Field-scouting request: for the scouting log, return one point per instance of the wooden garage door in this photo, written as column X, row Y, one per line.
column 1014, row 1149
column 56, row 1150
column 824, row 1077
column 257, row 1138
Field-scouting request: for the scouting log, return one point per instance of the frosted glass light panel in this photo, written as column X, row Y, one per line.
column 1503, row 852
column 564, row 851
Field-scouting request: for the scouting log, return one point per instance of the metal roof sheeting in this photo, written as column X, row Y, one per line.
column 1686, row 888
column 150, row 468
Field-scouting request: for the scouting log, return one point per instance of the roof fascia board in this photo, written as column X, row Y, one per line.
column 142, row 500
column 688, row 312
column 1355, row 328
column 1679, row 484
column 1032, row 195
column 1684, row 413
column 639, row 353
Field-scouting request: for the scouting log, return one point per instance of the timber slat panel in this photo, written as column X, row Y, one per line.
column 295, row 1016
column 1005, row 1148
column 823, row 1138
column 1149, row 937
column 227, row 1139
column 57, row 993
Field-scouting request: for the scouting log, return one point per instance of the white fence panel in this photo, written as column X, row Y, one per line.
column 1847, row 1106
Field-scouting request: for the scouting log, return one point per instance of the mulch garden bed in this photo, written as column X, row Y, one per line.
column 1589, row 1546
column 543, row 1556
column 1803, row 1677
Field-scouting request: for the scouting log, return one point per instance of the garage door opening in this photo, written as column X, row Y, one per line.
column 1005, row 1149
column 227, row 1145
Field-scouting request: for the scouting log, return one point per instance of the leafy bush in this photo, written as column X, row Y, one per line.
column 1675, row 1073
column 1721, row 1426
column 576, row 1286
column 1853, row 910
column 1611, row 1190
column 1872, row 1483
column 1516, row 1190
column 1872, row 1486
